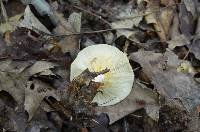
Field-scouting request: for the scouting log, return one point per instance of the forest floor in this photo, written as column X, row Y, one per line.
column 40, row 39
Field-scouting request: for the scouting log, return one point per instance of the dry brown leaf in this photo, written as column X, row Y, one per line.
column 126, row 18
column 75, row 21
column 140, row 97
column 3, row 47
column 174, row 30
column 178, row 40
column 40, row 66
column 195, row 47
column 13, row 79
column 160, row 20
column 31, row 22
column 198, row 26
column 161, row 69
column 166, row 18
column 186, row 21
column 11, row 24
column 35, row 92
column 191, row 7
column 73, row 25
column 167, row 2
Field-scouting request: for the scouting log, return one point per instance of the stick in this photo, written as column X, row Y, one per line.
column 91, row 13
column 81, row 33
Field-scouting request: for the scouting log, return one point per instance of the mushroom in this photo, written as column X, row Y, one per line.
column 117, row 83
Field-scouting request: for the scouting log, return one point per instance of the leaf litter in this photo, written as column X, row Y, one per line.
column 162, row 44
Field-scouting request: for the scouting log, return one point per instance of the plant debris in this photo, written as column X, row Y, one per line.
column 40, row 41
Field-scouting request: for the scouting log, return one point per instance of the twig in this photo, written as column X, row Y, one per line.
column 186, row 55
column 184, row 58
column 140, row 45
column 81, row 33
column 91, row 13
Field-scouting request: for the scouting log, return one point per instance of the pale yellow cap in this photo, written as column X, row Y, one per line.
column 117, row 82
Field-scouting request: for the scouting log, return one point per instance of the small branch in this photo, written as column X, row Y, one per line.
column 186, row 55
column 140, row 45
column 81, row 33
column 93, row 14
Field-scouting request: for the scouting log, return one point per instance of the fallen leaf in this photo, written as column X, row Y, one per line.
column 40, row 66
column 161, row 69
column 109, row 37
column 179, row 40
column 3, row 47
column 198, row 26
column 167, row 2
column 166, row 17
column 186, row 21
column 10, row 119
column 31, row 22
column 140, row 97
column 174, row 30
column 191, row 6
column 127, row 17
column 41, row 6
column 13, row 79
column 88, row 42
column 73, row 25
column 3, row 11
column 75, row 21
column 195, row 47
column 41, row 122
column 35, row 92
column 11, row 24
column 160, row 20
column 23, row 44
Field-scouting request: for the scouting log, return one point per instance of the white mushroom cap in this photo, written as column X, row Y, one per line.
column 117, row 82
